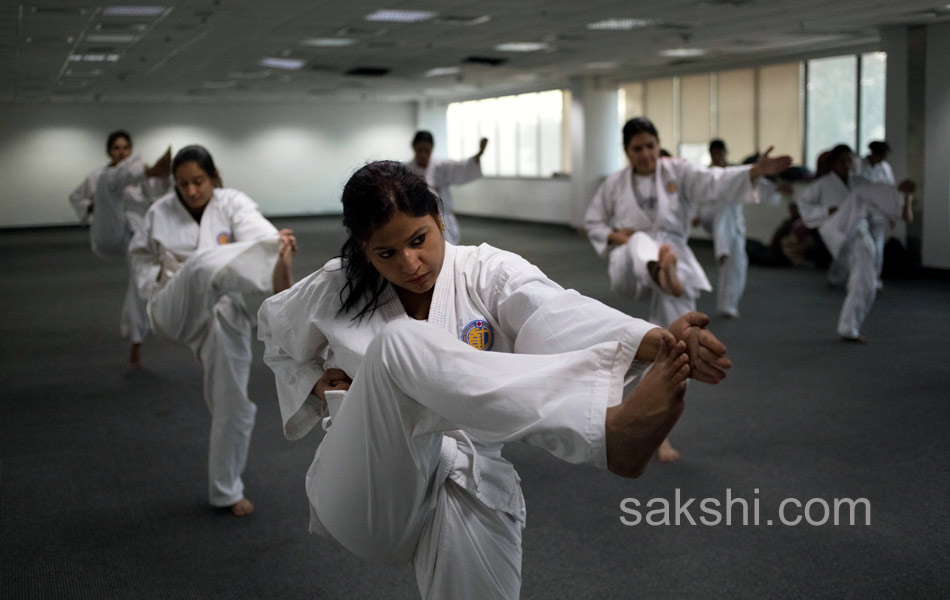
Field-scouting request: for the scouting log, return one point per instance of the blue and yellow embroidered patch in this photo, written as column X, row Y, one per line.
column 224, row 238
column 478, row 335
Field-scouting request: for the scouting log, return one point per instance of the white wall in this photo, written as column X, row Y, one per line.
column 936, row 189
column 540, row 200
column 290, row 158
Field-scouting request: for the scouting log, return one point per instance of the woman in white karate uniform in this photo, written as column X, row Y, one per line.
column 447, row 352
column 204, row 256
column 120, row 194
column 841, row 205
column 640, row 218
column 441, row 175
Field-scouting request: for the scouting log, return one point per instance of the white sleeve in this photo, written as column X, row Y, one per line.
column 888, row 173
column 726, row 184
column 810, row 207
column 294, row 348
column 544, row 318
column 247, row 222
column 82, row 197
column 145, row 256
column 457, row 172
column 597, row 220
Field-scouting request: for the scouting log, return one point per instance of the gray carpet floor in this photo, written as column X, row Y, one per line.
column 102, row 480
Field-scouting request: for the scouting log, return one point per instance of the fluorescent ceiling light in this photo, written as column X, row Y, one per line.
column 463, row 21
column 620, row 24
column 93, row 57
column 328, row 42
column 218, row 85
column 683, row 52
column 401, row 16
column 291, row 64
column 111, row 38
column 442, row 71
column 522, row 47
column 134, row 11
column 602, row 65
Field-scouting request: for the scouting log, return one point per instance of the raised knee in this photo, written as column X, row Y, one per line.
column 394, row 339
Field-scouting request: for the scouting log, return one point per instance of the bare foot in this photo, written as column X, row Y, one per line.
column 666, row 276
column 855, row 340
column 636, row 428
column 242, row 507
column 135, row 356
column 667, row 453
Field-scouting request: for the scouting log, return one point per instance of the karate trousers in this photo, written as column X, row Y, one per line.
column 378, row 483
column 629, row 276
column 134, row 323
column 202, row 307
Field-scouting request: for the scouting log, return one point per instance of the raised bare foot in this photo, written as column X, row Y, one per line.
column 242, row 507
column 636, row 428
column 667, row 453
column 135, row 356
column 666, row 276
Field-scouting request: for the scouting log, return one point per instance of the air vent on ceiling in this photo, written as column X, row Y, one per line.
column 58, row 11
column 368, row 71
column 461, row 21
column 485, row 60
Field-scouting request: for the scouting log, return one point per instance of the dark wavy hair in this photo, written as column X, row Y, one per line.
column 636, row 126
column 201, row 156
column 372, row 196
column 118, row 133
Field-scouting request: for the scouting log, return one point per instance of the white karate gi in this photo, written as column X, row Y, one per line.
column 878, row 227
column 847, row 237
column 84, row 196
column 122, row 195
column 679, row 186
column 441, row 175
column 411, row 468
column 195, row 277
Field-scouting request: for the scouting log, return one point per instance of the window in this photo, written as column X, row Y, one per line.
column 873, row 81
column 525, row 132
column 832, row 105
column 802, row 108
